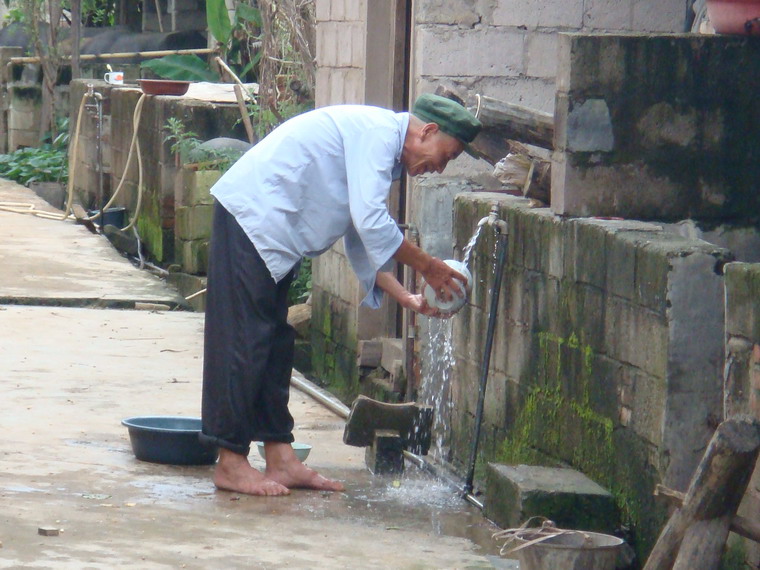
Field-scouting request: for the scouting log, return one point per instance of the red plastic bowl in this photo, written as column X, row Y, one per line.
column 735, row 16
column 163, row 86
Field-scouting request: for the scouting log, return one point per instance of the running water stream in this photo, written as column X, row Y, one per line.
column 435, row 390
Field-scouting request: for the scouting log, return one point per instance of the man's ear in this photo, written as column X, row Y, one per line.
column 429, row 129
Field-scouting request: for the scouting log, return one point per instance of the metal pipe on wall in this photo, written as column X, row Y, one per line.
column 501, row 260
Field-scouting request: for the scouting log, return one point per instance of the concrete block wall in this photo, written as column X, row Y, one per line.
column 160, row 201
column 504, row 49
column 340, row 53
column 341, row 40
column 508, row 50
column 24, row 116
column 607, row 354
column 742, row 380
column 657, row 127
column 193, row 209
column 334, row 322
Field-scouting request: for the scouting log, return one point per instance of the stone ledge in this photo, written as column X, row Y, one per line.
column 568, row 497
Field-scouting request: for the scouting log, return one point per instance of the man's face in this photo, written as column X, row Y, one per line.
column 431, row 151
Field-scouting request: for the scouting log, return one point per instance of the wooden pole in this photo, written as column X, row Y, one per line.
column 699, row 528
column 244, row 113
column 740, row 525
column 233, row 76
column 514, row 122
column 119, row 55
column 76, row 37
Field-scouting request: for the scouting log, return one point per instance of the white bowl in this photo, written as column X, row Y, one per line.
column 302, row 450
column 458, row 301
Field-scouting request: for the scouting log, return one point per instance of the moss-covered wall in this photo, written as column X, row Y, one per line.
column 657, row 126
column 334, row 345
column 603, row 360
column 157, row 210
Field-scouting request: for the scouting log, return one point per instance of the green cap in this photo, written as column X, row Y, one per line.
column 451, row 117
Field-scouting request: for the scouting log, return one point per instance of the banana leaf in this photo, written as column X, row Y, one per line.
column 181, row 68
column 246, row 13
column 218, row 20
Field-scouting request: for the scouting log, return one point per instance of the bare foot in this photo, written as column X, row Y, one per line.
column 234, row 473
column 284, row 467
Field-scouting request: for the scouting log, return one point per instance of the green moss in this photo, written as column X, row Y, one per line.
column 556, row 428
column 735, row 556
column 149, row 227
column 333, row 352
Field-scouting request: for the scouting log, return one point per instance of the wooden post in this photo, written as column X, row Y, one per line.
column 740, row 525
column 699, row 528
column 76, row 37
column 244, row 113
column 514, row 122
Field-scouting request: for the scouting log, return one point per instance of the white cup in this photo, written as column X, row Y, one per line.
column 114, row 77
column 458, row 301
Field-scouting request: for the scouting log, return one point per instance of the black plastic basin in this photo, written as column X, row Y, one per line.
column 169, row 439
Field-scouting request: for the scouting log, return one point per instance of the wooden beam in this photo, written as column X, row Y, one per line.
column 515, row 122
column 121, row 55
column 717, row 488
column 703, row 544
column 740, row 525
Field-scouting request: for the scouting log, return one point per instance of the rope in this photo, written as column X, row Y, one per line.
column 27, row 208
column 525, row 535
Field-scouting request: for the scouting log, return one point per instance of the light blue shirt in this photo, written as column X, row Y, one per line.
column 320, row 176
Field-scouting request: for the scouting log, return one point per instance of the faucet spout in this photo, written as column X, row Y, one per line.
column 494, row 220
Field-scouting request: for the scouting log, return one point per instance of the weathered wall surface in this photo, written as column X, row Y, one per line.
column 341, row 57
column 159, row 204
column 742, row 389
column 607, row 355
column 508, row 49
column 657, row 127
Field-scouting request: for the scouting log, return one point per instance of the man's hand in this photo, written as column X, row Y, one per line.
column 388, row 283
column 443, row 279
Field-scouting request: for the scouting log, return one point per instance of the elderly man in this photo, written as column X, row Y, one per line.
column 318, row 177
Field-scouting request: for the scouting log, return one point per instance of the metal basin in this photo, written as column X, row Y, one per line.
column 169, row 439
column 163, row 86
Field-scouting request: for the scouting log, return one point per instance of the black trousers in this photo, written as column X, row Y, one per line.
column 248, row 344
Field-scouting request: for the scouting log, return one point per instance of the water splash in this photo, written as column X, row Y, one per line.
column 435, row 390
column 436, row 383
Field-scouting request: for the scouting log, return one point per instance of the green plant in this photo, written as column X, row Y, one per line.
column 46, row 163
column 300, row 289
column 183, row 141
column 237, row 41
column 265, row 118
column 186, row 146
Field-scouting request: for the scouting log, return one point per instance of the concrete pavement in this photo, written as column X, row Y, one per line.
column 70, row 372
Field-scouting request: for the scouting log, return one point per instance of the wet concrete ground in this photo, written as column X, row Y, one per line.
column 70, row 374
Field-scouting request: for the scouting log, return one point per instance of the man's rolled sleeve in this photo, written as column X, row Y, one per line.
column 364, row 267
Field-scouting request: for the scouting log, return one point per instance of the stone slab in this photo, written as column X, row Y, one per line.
column 565, row 496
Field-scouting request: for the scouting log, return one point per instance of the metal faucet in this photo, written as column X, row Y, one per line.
column 494, row 220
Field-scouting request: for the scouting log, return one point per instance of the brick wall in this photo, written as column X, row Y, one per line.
column 607, row 355
column 341, row 29
column 657, row 127
column 160, row 202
